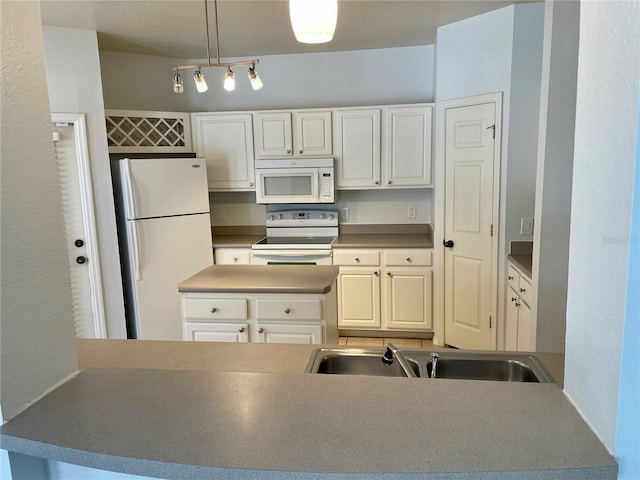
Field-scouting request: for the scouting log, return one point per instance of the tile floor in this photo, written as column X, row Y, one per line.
column 380, row 342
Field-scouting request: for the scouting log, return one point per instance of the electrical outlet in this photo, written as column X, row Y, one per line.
column 411, row 211
column 222, row 215
column 526, row 226
column 344, row 214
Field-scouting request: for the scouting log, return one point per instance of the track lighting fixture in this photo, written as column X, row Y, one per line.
column 313, row 21
column 229, row 77
column 229, row 80
column 178, row 86
column 254, row 78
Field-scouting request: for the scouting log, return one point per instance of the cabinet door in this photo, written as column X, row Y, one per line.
column 511, row 328
column 525, row 335
column 273, row 134
column 359, row 298
column 280, row 333
column 409, row 298
column 357, row 148
column 226, row 142
column 313, row 133
column 216, row 332
column 408, row 147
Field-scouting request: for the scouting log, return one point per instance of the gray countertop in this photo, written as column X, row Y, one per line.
column 235, row 241
column 189, row 423
column 262, row 279
column 388, row 240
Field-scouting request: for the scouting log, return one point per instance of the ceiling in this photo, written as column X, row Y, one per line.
column 176, row 28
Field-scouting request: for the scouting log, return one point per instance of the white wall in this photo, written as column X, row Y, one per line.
column 603, row 172
column 38, row 337
column 500, row 51
column 382, row 76
column 73, row 76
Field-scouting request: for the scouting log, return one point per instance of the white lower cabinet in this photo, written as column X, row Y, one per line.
column 385, row 289
column 260, row 318
column 520, row 330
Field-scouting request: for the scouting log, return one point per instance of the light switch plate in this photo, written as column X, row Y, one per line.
column 411, row 211
column 526, row 226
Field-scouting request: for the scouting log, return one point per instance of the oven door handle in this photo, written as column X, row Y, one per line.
column 292, row 253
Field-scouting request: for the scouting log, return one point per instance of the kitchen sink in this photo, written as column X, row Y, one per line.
column 454, row 364
column 355, row 362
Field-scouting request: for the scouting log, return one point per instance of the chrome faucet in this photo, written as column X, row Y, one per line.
column 434, row 364
column 394, row 352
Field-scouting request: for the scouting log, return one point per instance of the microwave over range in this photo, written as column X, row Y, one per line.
column 295, row 181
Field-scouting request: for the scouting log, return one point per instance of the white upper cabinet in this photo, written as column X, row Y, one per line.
column 357, row 148
column 408, row 146
column 297, row 133
column 383, row 147
column 225, row 141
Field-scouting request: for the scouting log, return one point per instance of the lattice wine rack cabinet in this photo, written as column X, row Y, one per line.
column 148, row 132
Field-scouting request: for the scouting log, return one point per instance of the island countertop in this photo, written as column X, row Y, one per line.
column 262, row 279
column 240, row 424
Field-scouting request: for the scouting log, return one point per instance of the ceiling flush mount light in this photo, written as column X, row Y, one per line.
column 229, row 77
column 313, row 21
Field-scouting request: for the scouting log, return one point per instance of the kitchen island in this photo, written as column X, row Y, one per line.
column 261, row 303
column 208, row 418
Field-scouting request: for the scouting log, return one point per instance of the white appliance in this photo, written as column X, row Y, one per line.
column 297, row 237
column 295, row 181
column 164, row 233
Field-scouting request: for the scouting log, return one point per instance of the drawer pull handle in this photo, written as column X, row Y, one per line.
column 251, row 184
column 375, row 273
column 235, row 259
column 214, row 310
column 510, row 277
column 388, row 182
column 241, row 329
column 261, row 330
column 357, row 259
column 517, row 304
column 522, row 290
column 408, row 259
column 287, row 310
column 513, row 299
column 299, row 151
column 389, row 274
column 288, row 151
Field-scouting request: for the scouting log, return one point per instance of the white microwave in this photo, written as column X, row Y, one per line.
column 295, row 181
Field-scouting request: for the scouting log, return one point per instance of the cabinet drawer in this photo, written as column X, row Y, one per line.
column 289, row 309
column 356, row 258
column 233, row 257
column 513, row 277
column 216, row 309
column 406, row 258
column 524, row 289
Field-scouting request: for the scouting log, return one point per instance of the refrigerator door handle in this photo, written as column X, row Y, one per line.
column 128, row 183
column 136, row 250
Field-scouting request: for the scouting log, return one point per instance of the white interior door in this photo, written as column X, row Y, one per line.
column 76, row 198
column 469, row 202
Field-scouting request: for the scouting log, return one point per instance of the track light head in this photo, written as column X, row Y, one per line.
column 178, row 86
column 229, row 80
column 201, row 83
column 254, row 78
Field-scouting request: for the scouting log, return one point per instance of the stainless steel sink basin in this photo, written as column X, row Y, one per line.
column 355, row 362
column 453, row 364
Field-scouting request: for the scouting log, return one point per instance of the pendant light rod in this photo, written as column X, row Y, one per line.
column 206, row 20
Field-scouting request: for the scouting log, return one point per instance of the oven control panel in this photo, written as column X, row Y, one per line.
column 309, row 218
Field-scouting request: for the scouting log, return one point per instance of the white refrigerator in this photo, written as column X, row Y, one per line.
column 164, row 232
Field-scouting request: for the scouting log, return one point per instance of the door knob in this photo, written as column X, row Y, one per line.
column 81, row 259
column 448, row 243
column 78, row 243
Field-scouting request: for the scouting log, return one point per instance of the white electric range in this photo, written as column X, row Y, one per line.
column 297, row 237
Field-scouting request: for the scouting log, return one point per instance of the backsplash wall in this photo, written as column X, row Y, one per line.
column 364, row 207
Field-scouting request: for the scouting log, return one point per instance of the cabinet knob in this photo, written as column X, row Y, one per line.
column 389, row 274
column 377, row 182
column 251, row 184
column 78, row 243
column 388, row 182
column 235, row 259
column 509, row 277
column 408, row 259
column 288, row 151
column 375, row 273
column 214, row 310
column 81, row 259
column 513, row 299
column 287, row 310
column 299, row 151
column 522, row 290
column 517, row 304
column 357, row 259
column 241, row 329
column 261, row 330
